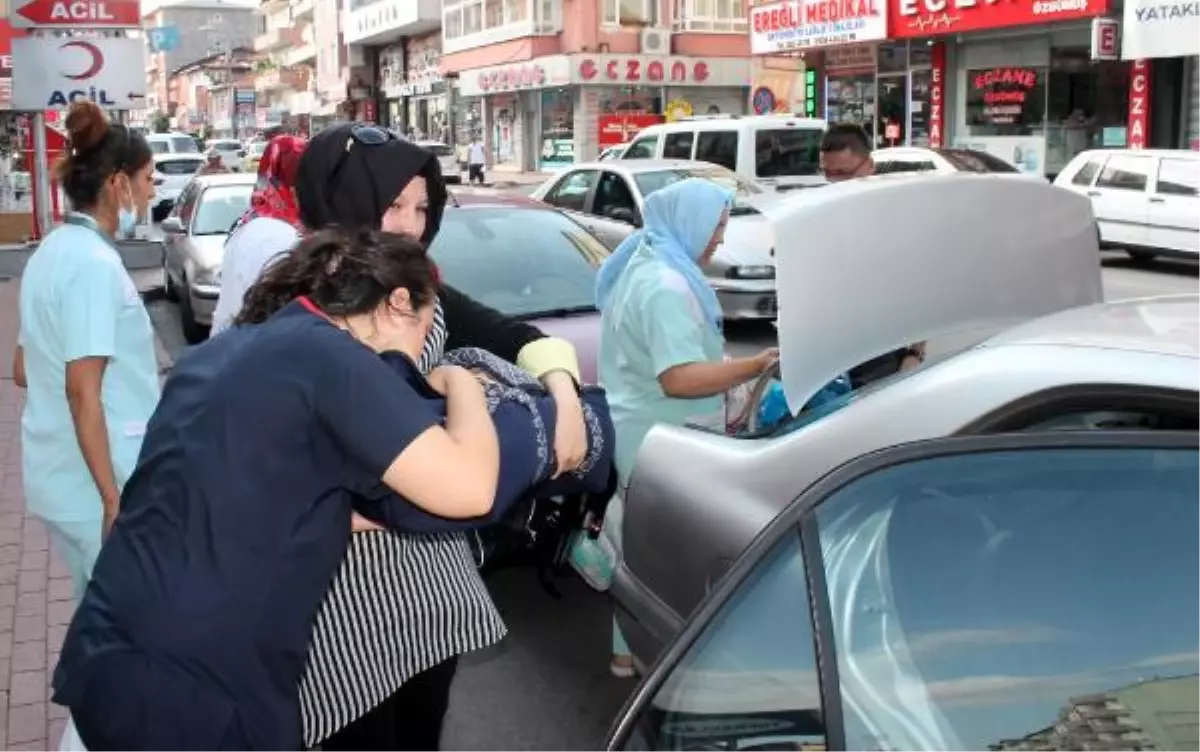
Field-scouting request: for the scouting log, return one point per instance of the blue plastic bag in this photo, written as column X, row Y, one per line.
column 773, row 409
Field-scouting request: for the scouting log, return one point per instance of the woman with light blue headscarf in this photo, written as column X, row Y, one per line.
column 662, row 355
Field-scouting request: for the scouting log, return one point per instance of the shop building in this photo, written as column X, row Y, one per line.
column 1164, row 38
column 1025, row 81
column 415, row 96
column 546, row 83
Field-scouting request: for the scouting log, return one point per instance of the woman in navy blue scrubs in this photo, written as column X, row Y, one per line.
column 194, row 630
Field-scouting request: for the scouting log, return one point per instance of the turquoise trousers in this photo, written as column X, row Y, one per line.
column 78, row 545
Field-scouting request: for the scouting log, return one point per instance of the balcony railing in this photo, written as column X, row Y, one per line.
column 280, row 79
column 277, row 39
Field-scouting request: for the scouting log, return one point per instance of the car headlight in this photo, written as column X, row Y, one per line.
column 760, row 271
column 208, row 277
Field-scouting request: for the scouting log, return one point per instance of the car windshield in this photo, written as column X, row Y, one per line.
column 184, row 145
column 257, row 148
column 227, row 146
column 523, row 262
column 220, row 206
column 438, row 149
column 649, row 182
column 158, row 146
column 970, row 160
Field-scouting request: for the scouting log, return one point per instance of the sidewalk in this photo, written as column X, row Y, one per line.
column 506, row 176
column 35, row 589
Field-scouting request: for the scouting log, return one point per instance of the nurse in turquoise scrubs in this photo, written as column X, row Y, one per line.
column 86, row 346
column 662, row 354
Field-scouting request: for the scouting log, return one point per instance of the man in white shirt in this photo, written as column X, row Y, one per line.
column 476, row 159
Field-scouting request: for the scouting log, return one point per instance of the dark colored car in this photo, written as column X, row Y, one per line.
column 526, row 260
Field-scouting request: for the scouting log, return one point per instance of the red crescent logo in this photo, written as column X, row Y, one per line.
column 96, row 64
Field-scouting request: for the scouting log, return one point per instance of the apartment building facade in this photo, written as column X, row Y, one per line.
column 544, row 82
column 208, row 27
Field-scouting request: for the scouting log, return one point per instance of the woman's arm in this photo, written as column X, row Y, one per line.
column 708, row 379
column 388, row 432
column 18, row 373
column 84, row 379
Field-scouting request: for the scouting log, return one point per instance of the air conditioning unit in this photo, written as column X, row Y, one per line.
column 656, row 41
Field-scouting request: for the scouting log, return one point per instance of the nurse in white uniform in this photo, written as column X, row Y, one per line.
column 86, row 346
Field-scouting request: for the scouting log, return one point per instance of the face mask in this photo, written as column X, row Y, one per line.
column 126, row 220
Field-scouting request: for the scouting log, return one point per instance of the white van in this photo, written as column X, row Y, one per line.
column 1147, row 201
column 782, row 151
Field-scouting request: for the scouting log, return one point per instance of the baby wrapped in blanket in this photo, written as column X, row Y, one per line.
column 524, row 416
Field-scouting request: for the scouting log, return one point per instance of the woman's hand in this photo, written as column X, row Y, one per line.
column 766, row 358
column 360, row 524
column 570, row 429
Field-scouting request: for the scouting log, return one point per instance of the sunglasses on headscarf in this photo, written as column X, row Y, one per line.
column 363, row 134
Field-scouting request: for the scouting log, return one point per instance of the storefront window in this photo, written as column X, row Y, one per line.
column 851, row 99
column 632, row 100
column 918, row 134
column 1006, row 101
column 893, row 57
column 1088, row 105
column 558, row 128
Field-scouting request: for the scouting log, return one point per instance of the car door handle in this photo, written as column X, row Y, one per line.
column 1157, row 200
column 1093, row 193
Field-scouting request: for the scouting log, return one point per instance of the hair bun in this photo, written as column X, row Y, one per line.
column 87, row 125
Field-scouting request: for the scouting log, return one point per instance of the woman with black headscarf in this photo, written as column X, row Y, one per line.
column 404, row 607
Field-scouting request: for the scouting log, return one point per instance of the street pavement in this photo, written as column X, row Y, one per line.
column 546, row 686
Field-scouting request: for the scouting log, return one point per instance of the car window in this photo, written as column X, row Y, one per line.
column 219, row 207
column 787, row 152
column 158, row 146
column 970, row 160
column 614, row 199
column 257, row 148
column 1017, row 599
column 750, row 680
column 522, row 262
column 227, row 146
column 438, row 150
column 1179, row 177
column 572, row 190
column 1125, row 173
column 184, row 145
column 903, row 165
column 718, row 147
column 1088, row 172
column 178, row 166
column 643, row 148
column 649, row 182
column 678, row 145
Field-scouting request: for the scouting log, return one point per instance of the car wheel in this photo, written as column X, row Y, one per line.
column 1141, row 257
column 193, row 331
column 169, row 288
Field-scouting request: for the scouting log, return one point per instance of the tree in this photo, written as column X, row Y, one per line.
column 162, row 123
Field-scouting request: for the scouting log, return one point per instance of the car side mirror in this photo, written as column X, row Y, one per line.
column 623, row 214
column 172, row 226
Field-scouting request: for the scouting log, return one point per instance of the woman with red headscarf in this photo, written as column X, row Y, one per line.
column 255, row 240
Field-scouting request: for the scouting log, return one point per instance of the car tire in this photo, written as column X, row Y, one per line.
column 193, row 331
column 169, row 289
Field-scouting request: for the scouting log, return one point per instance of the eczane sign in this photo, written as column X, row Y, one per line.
column 51, row 73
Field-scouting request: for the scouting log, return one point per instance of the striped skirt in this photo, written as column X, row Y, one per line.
column 399, row 604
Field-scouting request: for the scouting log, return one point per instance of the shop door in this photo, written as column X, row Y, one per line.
column 892, row 126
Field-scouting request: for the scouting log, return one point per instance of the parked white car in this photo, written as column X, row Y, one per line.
column 781, row 151
column 1146, row 201
column 447, row 159
column 171, row 173
column 172, row 143
column 613, row 152
column 608, row 198
column 940, row 161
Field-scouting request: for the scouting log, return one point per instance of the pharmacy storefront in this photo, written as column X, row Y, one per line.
column 553, row 111
column 1161, row 39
